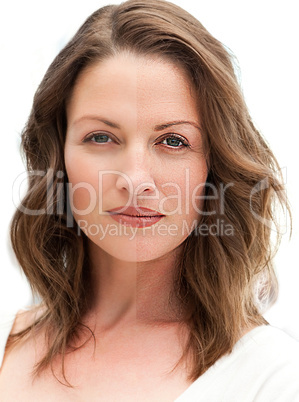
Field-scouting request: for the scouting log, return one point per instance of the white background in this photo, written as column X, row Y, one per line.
column 263, row 34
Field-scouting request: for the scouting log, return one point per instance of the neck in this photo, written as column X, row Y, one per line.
column 132, row 292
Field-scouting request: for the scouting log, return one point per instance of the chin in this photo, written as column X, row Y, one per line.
column 139, row 249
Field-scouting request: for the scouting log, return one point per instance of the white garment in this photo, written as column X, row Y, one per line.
column 263, row 367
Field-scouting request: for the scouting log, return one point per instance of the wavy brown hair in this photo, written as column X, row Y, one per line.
column 220, row 279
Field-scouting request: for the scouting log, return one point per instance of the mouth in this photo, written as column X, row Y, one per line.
column 135, row 217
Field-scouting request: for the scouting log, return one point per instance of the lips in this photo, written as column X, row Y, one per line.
column 131, row 211
column 136, row 217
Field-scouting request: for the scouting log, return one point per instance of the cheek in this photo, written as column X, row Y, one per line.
column 83, row 184
column 197, row 191
column 195, row 200
column 184, row 190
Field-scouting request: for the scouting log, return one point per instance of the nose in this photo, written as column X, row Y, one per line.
column 137, row 175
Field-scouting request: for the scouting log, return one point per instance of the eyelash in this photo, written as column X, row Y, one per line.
column 184, row 142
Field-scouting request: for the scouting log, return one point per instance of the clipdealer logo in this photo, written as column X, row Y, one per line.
column 59, row 200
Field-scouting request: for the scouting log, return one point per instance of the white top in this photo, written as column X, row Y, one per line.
column 263, row 367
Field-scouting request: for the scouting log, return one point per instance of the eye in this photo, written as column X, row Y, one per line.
column 99, row 138
column 174, row 141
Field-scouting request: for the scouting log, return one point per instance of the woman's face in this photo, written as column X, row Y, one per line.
column 133, row 140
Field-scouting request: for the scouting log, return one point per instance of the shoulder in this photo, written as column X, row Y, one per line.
column 262, row 367
column 12, row 322
column 269, row 348
column 270, row 358
column 264, row 340
column 7, row 320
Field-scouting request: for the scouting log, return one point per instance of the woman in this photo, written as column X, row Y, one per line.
column 146, row 226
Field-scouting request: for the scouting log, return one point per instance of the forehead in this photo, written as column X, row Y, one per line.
column 143, row 87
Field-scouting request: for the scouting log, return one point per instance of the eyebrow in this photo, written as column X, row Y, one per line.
column 161, row 127
column 158, row 127
column 97, row 118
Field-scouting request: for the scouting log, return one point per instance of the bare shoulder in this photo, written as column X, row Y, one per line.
column 23, row 325
column 25, row 318
column 20, row 354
